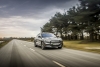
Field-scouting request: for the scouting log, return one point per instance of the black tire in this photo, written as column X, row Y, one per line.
column 35, row 44
column 42, row 46
column 59, row 47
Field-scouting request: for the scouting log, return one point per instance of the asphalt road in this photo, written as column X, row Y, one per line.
column 19, row 53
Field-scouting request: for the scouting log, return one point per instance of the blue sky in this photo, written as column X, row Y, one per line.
column 23, row 18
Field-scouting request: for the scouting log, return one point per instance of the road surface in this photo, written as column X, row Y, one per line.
column 18, row 53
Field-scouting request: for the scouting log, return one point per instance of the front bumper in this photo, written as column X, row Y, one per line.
column 57, row 44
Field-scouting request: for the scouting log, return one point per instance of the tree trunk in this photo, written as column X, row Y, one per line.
column 96, row 36
column 61, row 34
column 57, row 32
column 91, row 37
column 82, row 37
column 75, row 37
column 69, row 37
column 65, row 35
column 99, row 36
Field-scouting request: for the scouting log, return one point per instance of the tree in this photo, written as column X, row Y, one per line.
column 84, row 17
column 91, row 14
column 47, row 27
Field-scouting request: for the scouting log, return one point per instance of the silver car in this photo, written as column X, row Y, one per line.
column 47, row 40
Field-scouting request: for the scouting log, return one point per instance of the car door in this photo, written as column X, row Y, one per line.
column 36, row 40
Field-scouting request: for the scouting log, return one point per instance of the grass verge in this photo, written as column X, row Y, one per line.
column 83, row 45
column 3, row 43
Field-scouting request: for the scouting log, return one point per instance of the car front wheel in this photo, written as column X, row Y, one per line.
column 43, row 46
column 35, row 44
column 59, row 47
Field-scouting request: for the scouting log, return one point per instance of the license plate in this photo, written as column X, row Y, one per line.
column 55, row 43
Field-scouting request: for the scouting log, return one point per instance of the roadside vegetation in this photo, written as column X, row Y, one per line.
column 30, row 39
column 79, row 26
column 4, row 41
column 83, row 45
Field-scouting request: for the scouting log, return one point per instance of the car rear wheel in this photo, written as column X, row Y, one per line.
column 43, row 46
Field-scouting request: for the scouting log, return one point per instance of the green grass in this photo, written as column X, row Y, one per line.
column 82, row 45
column 3, row 43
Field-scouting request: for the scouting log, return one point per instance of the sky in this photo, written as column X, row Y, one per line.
column 23, row 18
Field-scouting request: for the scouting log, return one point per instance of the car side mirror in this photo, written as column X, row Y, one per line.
column 39, row 36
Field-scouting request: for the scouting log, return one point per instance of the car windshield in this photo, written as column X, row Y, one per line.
column 48, row 35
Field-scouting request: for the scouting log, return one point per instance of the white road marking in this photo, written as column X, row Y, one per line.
column 59, row 64
column 32, row 49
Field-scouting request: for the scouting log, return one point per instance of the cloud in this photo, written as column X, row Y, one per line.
column 25, row 17
column 16, row 25
column 34, row 7
column 4, row 6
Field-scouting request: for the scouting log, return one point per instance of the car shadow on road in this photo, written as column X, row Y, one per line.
column 48, row 48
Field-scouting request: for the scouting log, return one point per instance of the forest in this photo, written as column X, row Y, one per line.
column 80, row 22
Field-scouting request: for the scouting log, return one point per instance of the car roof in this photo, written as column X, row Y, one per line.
column 46, row 32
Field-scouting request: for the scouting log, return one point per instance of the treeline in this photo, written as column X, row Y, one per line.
column 84, row 18
column 19, row 38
